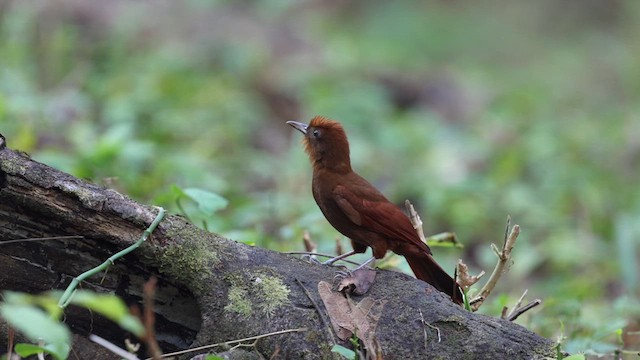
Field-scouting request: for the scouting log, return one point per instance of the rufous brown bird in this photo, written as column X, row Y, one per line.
column 359, row 211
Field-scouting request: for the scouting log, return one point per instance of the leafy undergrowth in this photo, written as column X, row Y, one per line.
column 471, row 110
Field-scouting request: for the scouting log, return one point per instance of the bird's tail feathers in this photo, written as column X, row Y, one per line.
column 428, row 270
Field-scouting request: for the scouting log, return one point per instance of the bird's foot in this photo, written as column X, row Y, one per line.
column 332, row 263
column 348, row 273
column 358, row 281
column 312, row 259
column 339, row 257
column 341, row 275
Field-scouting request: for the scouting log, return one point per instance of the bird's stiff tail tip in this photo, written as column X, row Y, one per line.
column 429, row 271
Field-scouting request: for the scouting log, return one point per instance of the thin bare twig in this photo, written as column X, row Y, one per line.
column 320, row 313
column 10, row 335
column 205, row 347
column 113, row 348
column 309, row 245
column 521, row 310
column 436, row 329
column 475, row 300
column 518, row 303
column 339, row 249
column 42, row 239
column 149, row 319
column 503, row 313
column 425, row 330
column 504, row 256
column 415, row 220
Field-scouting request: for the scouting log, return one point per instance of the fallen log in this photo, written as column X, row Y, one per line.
column 213, row 289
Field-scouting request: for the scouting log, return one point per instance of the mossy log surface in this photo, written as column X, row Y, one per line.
column 213, row 289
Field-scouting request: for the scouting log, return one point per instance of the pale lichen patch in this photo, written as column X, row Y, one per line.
column 259, row 292
column 238, row 302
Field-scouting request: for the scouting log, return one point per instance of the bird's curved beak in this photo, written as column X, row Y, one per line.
column 299, row 126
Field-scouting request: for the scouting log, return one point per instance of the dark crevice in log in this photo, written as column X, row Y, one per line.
column 48, row 266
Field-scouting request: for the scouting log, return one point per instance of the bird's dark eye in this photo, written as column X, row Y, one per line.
column 316, row 133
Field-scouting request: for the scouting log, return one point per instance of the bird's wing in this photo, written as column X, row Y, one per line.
column 346, row 206
column 373, row 211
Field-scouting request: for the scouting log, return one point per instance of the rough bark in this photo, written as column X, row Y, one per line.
column 213, row 289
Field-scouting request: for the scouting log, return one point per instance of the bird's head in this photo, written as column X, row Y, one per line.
column 326, row 143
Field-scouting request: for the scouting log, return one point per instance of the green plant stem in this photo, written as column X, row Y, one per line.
column 68, row 293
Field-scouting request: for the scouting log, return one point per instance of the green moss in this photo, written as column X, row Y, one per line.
column 272, row 293
column 189, row 262
column 238, row 301
column 258, row 292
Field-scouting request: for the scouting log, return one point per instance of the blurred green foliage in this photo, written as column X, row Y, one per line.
column 38, row 317
column 473, row 110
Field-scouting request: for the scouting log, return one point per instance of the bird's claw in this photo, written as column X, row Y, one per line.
column 341, row 275
column 331, row 263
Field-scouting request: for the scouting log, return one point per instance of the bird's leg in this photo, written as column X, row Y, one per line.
column 349, row 273
column 339, row 257
column 369, row 261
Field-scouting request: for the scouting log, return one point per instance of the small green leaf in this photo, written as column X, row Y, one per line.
column 11, row 297
column 575, row 357
column 346, row 353
column 619, row 333
column 48, row 302
column 111, row 307
column 25, row 350
column 177, row 191
column 37, row 325
column 207, row 201
column 213, row 357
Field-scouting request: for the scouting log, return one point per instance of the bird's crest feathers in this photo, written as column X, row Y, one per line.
column 326, row 123
column 330, row 149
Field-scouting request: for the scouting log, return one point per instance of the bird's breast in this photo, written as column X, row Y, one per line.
column 324, row 196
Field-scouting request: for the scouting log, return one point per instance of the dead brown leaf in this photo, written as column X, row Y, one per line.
column 466, row 280
column 337, row 306
column 358, row 282
column 349, row 317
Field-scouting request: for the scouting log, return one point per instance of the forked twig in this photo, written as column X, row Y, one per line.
column 504, row 256
column 521, row 310
column 518, row 303
column 425, row 330
column 518, row 309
